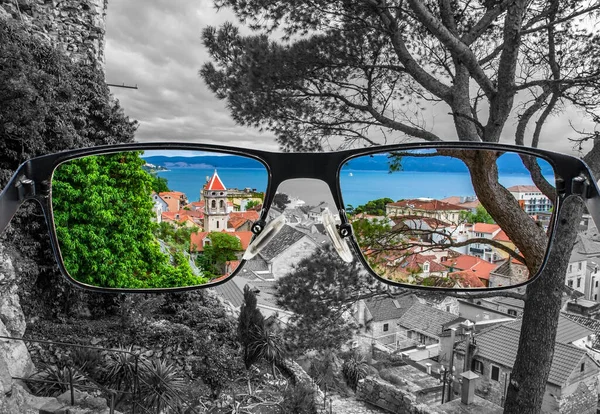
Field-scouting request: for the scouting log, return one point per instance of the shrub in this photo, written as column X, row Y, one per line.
column 391, row 377
column 354, row 369
column 161, row 385
column 299, row 399
column 54, row 380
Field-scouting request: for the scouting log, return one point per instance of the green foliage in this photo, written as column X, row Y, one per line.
column 222, row 248
column 318, row 291
column 299, row 399
column 252, row 203
column 354, row 369
column 176, row 237
column 374, row 207
column 159, row 184
column 103, row 216
column 479, row 216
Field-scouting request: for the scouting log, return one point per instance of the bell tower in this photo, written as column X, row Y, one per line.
column 215, row 204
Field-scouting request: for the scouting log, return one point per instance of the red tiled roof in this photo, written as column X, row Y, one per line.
column 196, row 239
column 176, row 194
column 501, row 236
column 430, row 205
column 456, row 201
column 431, row 221
column 248, row 215
column 236, row 222
column 415, row 262
column 215, row 183
column 467, row 278
column 485, row 228
column 479, row 267
column 524, row 189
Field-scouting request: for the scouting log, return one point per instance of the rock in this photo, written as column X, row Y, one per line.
column 5, row 377
column 20, row 401
column 53, row 407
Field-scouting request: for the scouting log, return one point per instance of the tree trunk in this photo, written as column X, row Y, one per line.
column 540, row 319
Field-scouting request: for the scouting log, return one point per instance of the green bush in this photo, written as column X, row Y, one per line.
column 354, row 369
column 54, row 380
column 161, row 385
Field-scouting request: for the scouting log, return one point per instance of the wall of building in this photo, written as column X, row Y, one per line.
column 76, row 27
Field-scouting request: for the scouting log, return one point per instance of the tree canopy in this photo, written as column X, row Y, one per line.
column 365, row 72
column 103, row 216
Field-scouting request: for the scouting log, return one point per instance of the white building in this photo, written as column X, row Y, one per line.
column 531, row 199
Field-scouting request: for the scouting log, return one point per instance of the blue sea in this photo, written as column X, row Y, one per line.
column 358, row 186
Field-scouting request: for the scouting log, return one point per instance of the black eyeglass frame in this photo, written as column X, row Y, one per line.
column 32, row 181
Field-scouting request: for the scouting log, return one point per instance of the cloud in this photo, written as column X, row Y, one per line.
column 156, row 45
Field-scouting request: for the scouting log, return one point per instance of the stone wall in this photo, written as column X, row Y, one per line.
column 75, row 26
column 396, row 399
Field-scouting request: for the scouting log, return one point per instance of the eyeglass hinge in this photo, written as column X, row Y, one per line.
column 580, row 186
column 27, row 188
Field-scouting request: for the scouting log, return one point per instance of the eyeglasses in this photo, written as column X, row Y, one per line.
column 165, row 216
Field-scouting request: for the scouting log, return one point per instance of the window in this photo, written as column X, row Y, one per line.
column 570, row 268
column 495, row 376
column 578, row 282
column 221, row 204
column 579, row 266
column 477, row 366
column 596, row 281
column 426, row 267
column 386, row 327
column 595, row 297
column 213, row 204
column 582, row 367
column 570, row 283
column 512, row 312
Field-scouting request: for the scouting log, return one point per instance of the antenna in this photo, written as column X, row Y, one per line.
column 122, row 86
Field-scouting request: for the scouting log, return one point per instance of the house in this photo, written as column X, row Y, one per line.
column 584, row 262
column 483, row 250
column 511, row 272
column 423, row 323
column 491, row 354
column 202, row 238
column 378, row 317
column 426, row 207
column 232, row 293
column 160, row 206
column 287, row 248
column 470, row 202
column 472, row 265
column 531, row 199
column 481, row 310
column 175, row 200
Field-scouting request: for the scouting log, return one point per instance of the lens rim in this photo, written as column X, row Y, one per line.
column 31, row 181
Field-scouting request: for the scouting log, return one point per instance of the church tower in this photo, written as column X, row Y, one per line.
column 215, row 204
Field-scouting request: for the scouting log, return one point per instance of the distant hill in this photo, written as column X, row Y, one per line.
column 507, row 164
column 209, row 161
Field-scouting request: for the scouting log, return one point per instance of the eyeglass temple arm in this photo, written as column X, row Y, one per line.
column 13, row 195
column 592, row 201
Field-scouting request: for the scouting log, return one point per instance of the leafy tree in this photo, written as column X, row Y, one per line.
column 222, row 248
column 48, row 104
column 103, row 215
column 252, row 203
column 360, row 72
column 374, row 207
column 479, row 216
column 319, row 290
column 281, row 200
column 159, row 184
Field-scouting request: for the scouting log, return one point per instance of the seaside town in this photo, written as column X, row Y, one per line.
column 445, row 349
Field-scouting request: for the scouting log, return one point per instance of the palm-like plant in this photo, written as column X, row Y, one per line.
column 122, row 368
column 54, row 380
column 161, row 384
column 267, row 345
column 354, row 369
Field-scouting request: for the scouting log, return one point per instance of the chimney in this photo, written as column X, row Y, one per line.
column 469, row 379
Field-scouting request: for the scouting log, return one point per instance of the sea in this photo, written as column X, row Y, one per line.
column 357, row 186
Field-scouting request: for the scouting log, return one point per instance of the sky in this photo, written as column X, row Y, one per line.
column 156, row 45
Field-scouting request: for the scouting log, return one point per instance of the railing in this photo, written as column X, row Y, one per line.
column 137, row 406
